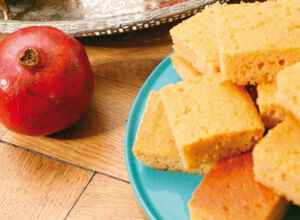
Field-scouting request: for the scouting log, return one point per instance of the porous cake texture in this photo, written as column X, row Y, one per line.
column 155, row 145
column 210, row 119
column 270, row 111
column 276, row 159
column 288, row 82
column 257, row 40
column 195, row 41
column 229, row 192
column 184, row 69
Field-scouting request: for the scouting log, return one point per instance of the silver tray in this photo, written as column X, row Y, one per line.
column 98, row 17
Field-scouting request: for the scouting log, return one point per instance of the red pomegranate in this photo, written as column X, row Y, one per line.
column 46, row 81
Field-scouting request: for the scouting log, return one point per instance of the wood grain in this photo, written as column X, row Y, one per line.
column 2, row 130
column 35, row 187
column 129, row 58
column 109, row 199
column 121, row 64
column 96, row 141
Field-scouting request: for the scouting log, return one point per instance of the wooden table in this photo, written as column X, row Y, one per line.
column 80, row 173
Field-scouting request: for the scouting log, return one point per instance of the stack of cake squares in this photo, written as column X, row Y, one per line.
column 209, row 124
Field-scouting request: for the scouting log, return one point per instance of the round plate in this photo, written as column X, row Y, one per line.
column 162, row 194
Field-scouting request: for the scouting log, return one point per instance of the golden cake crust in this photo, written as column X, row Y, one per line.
column 195, row 41
column 229, row 191
column 276, row 159
column 270, row 111
column 288, row 95
column 184, row 69
column 210, row 119
column 257, row 40
column 155, row 145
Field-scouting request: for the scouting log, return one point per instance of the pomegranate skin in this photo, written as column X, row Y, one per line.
column 50, row 93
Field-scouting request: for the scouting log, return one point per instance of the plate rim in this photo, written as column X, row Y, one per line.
column 132, row 179
column 148, row 209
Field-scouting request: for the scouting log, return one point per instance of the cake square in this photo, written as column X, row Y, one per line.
column 155, row 145
column 229, row 191
column 184, row 69
column 195, row 41
column 288, row 95
column 210, row 119
column 270, row 111
column 257, row 40
column 276, row 159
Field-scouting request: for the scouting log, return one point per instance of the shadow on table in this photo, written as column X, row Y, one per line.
column 107, row 112
column 146, row 38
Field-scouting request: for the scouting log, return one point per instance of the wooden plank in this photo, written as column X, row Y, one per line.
column 107, row 198
column 120, row 67
column 2, row 130
column 97, row 141
column 35, row 187
column 129, row 58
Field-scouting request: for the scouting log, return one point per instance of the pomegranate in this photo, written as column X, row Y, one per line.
column 46, row 81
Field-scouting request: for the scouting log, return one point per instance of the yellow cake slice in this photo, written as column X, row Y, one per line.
column 155, row 145
column 229, row 192
column 210, row 119
column 270, row 111
column 184, row 69
column 288, row 82
column 257, row 40
column 195, row 41
column 276, row 159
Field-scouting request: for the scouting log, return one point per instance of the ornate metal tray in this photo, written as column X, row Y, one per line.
column 96, row 17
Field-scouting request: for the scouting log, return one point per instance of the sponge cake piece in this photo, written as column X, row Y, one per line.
column 210, row 119
column 155, row 145
column 288, row 95
column 270, row 111
column 276, row 159
column 229, row 191
column 184, row 69
column 257, row 40
column 195, row 41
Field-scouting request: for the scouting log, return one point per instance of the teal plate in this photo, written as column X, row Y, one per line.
column 163, row 195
